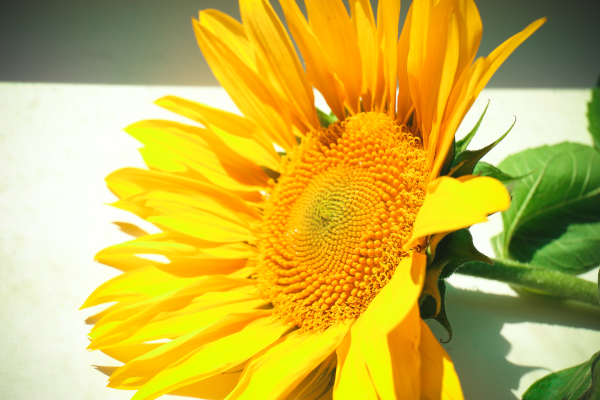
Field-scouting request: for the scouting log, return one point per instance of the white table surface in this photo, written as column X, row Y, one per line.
column 58, row 142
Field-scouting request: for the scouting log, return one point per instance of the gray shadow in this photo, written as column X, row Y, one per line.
column 477, row 348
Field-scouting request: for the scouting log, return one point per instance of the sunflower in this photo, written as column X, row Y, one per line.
column 296, row 274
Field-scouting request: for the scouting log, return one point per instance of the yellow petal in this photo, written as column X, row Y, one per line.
column 385, row 338
column 438, row 376
column 272, row 44
column 333, row 28
column 128, row 182
column 368, row 43
column 404, row 103
column 471, row 84
column 171, row 325
column 140, row 283
column 199, row 224
column 130, row 352
column 246, row 87
column 318, row 384
column 216, row 387
column 278, row 371
column 432, row 62
column 318, row 67
column 232, row 32
column 352, row 379
column 180, row 259
column 388, row 14
column 146, row 366
column 201, row 150
column 122, row 323
column 451, row 205
column 238, row 133
column 213, row 358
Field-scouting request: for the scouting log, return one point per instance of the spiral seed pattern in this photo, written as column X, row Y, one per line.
column 337, row 218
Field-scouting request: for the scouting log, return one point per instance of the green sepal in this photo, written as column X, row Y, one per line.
column 453, row 251
column 465, row 162
column 326, row 119
column 581, row 382
column 428, row 308
column 462, row 144
column 554, row 218
column 593, row 115
column 449, row 159
column 270, row 173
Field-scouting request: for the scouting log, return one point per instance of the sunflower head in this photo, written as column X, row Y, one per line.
column 338, row 217
column 308, row 283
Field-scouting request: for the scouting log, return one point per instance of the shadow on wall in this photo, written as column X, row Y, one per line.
column 151, row 42
column 479, row 350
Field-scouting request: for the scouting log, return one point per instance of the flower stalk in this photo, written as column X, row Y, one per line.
column 535, row 279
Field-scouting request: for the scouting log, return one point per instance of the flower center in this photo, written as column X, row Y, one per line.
column 335, row 222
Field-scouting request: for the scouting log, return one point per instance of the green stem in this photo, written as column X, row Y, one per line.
column 554, row 283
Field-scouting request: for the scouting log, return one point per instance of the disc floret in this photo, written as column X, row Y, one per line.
column 337, row 219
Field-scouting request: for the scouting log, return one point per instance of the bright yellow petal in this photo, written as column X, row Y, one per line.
column 239, row 133
column 128, row 182
column 451, row 205
column 146, row 366
column 352, row 379
column 216, row 387
column 333, row 28
column 171, row 325
column 388, row 14
column 245, row 86
column 269, row 38
column 385, row 338
column 140, row 283
column 318, row 384
column 180, row 259
column 213, row 358
column 438, row 376
column 130, row 352
column 471, row 84
column 122, row 323
column 232, row 32
column 277, row 372
column 318, row 67
column 404, row 103
column 366, row 31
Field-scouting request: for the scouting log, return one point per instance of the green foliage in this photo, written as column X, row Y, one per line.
column 554, row 218
column 465, row 162
column 593, row 115
column 462, row 144
column 326, row 119
column 581, row 382
column 455, row 250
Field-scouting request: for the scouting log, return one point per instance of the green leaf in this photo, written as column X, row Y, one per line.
column 326, row 119
column 462, row 144
column 465, row 162
column 581, row 382
column 554, row 217
column 455, row 250
column 593, row 115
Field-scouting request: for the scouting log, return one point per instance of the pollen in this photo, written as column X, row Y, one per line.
column 336, row 220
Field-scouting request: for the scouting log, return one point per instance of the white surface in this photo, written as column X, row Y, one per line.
column 58, row 142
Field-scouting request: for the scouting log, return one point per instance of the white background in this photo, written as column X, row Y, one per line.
column 58, row 142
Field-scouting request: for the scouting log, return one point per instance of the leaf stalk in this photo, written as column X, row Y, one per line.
column 536, row 279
